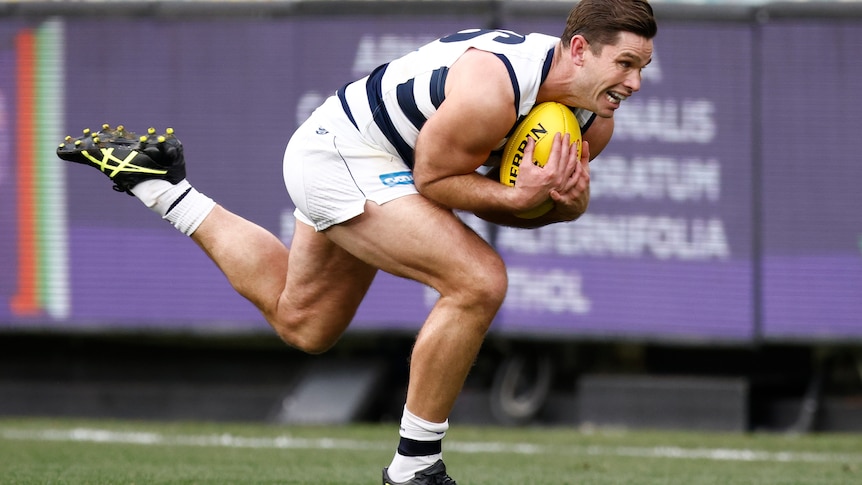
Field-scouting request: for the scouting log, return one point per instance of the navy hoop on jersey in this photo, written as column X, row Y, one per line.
column 390, row 105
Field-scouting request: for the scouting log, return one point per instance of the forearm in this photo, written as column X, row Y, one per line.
column 508, row 218
column 511, row 220
column 469, row 192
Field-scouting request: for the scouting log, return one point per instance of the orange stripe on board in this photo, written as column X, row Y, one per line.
column 26, row 302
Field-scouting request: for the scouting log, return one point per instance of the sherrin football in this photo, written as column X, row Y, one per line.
column 541, row 124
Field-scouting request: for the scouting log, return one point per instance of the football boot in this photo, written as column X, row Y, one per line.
column 433, row 475
column 127, row 159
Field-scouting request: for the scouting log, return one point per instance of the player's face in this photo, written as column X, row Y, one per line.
column 615, row 73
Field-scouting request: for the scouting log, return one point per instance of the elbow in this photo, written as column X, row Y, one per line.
column 421, row 183
column 424, row 184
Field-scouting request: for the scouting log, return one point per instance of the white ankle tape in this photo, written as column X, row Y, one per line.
column 159, row 195
column 416, row 428
column 190, row 211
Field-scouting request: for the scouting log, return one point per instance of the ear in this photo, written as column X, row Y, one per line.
column 578, row 49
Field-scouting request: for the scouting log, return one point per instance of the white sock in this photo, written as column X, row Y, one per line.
column 417, row 435
column 181, row 204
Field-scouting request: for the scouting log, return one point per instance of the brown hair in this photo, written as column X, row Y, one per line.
column 601, row 21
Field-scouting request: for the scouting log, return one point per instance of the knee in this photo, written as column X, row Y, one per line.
column 303, row 335
column 484, row 285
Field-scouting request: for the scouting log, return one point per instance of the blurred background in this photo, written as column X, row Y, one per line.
column 715, row 283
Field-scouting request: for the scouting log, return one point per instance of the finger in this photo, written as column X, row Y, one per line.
column 583, row 170
column 575, row 177
column 530, row 148
column 566, row 167
column 573, row 161
column 585, row 163
column 554, row 154
column 585, row 154
column 528, row 154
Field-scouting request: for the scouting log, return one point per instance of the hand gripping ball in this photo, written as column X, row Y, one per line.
column 541, row 123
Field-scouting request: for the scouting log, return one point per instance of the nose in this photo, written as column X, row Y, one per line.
column 633, row 81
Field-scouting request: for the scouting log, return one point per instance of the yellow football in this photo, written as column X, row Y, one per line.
column 541, row 124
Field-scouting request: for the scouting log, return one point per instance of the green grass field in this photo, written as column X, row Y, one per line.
column 42, row 451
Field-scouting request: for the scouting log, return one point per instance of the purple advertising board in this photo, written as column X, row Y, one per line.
column 234, row 90
column 812, row 183
column 689, row 210
column 8, row 209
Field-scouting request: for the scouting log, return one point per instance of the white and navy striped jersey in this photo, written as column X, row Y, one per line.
column 390, row 105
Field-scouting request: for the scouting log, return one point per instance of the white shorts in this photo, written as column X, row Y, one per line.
column 330, row 171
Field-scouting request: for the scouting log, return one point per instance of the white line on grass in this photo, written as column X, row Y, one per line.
column 91, row 435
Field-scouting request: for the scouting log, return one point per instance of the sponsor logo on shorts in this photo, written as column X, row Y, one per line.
column 397, row 178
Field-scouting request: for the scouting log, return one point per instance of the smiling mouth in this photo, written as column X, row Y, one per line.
column 615, row 97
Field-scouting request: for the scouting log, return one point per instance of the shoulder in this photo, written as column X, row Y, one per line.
column 483, row 79
column 479, row 105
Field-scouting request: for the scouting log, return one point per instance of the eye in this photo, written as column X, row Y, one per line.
column 625, row 64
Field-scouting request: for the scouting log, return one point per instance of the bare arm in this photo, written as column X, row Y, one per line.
column 458, row 138
column 478, row 112
column 599, row 135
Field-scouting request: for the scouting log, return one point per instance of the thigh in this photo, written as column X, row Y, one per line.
column 415, row 238
column 325, row 283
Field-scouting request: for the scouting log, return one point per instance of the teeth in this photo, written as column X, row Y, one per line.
column 615, row 97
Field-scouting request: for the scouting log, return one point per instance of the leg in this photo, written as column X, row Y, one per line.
column 416, row 239
column 309, row 293
column 309, row 306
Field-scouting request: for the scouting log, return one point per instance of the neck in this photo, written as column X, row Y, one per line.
column 558, row 84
